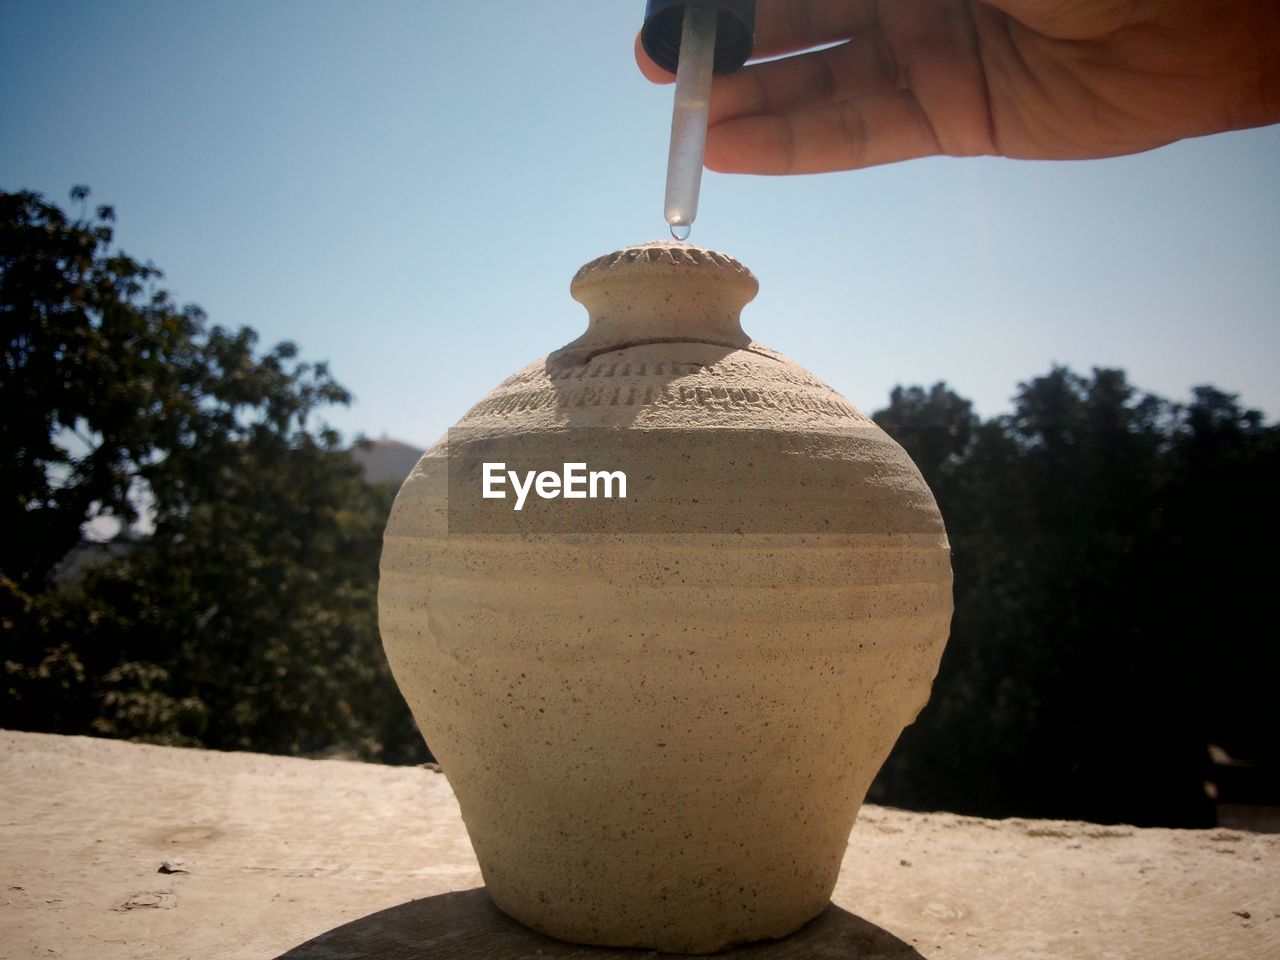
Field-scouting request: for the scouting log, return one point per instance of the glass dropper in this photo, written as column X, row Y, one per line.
column 689, row 118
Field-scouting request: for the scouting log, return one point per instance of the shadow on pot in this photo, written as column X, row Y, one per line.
column 465, row 925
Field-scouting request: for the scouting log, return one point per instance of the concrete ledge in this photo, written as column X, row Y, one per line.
column 330, row 859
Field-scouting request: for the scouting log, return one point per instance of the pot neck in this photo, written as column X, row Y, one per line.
column 658, row 293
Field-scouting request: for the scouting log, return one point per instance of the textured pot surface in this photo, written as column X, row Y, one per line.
column 662, row 738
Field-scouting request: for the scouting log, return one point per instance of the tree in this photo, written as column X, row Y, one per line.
column 1110, row 620
column 1222, row 500
column 935, row 426
column 247, row 619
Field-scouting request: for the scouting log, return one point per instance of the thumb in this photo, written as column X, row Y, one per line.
column 651, row 70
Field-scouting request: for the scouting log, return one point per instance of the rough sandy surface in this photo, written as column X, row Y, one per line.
column 327, row 859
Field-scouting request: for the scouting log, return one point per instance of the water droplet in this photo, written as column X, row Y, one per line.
column 681, row 231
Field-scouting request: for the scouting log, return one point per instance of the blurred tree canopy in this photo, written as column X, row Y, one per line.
column 1113, row 590
column 247, row 618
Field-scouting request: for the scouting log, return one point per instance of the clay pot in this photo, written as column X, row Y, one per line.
column 660, row 715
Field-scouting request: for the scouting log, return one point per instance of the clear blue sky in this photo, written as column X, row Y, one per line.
column 406, row 188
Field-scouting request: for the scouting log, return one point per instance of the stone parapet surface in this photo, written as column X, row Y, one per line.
column 327, row 859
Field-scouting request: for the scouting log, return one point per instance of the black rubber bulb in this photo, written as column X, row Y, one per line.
column 735, row 33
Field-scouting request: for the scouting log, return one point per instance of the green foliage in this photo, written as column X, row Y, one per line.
column 248, row 618
column 1101, row 639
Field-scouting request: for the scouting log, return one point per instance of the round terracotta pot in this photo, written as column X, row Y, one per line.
column 660, row 714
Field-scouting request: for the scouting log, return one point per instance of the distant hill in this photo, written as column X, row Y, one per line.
column 386, row 460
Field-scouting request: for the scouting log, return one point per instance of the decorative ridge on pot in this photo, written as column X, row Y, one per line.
column 659, row 292
column 664, row 253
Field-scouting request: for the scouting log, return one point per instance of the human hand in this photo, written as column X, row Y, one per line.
column 1046, row 79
